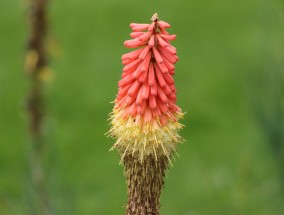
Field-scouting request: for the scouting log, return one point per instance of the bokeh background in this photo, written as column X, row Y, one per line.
column 229, row 81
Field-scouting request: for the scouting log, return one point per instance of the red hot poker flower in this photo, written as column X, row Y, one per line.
column 145, row 116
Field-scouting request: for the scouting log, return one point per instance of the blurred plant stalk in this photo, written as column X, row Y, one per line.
column 267, row 98
column 36, row 67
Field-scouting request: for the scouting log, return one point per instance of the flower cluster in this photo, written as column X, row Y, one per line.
column 145, row 116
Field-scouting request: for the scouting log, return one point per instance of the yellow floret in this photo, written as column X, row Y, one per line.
column 141, row 140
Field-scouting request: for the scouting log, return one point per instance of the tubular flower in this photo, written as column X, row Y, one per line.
column 145, row 116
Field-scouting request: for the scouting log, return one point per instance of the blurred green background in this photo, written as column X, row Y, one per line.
column 229, row 80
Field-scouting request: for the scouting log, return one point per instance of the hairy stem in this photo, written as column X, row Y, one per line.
column 145, row 182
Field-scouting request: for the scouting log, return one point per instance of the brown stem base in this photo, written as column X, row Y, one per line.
column 145, row 182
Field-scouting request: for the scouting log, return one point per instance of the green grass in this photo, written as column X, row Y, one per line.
column 226, row 165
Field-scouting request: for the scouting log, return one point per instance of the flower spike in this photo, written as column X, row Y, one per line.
column 145, row 116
